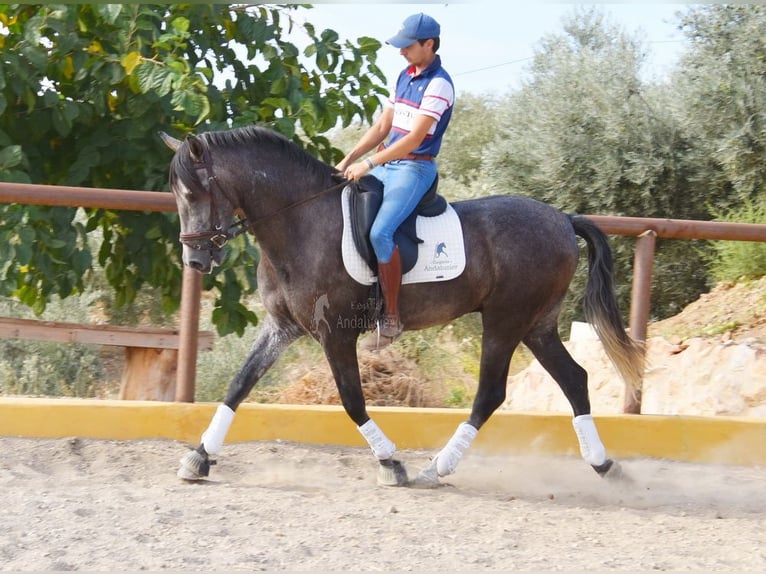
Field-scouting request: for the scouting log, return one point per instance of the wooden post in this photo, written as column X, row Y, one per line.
column 641, row 296
column 149, row 374
column 191, row 295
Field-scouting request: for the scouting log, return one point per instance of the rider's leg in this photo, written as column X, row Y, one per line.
column 405, row 184
column 390, row 278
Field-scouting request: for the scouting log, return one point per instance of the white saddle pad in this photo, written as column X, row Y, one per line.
column 441, row 256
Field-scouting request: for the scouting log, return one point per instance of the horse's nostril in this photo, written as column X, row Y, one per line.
column 197, row 266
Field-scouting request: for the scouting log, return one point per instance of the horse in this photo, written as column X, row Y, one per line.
column 521, row 257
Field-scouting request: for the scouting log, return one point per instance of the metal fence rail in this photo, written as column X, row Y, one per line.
column 646, row 230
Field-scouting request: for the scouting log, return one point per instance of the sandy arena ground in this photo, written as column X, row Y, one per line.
column 77, row 504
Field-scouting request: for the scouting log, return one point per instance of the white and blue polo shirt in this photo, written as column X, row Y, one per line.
column 429, row 93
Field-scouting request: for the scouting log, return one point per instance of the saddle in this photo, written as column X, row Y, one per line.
column 365, row 201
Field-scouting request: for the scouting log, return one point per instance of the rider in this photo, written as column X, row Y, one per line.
column 415, row 117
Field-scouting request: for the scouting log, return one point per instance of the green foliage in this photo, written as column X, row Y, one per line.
column 466, row 141
column 84, row 89
column 587, row 134
column 49, row 369
column 447, row 357
column 722, row 83
column 216, row 369
column 46, row 254
column 737, row 260
column 581, row 134
column 459, row 397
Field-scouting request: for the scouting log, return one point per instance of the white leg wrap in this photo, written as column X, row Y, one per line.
column 381, row 445
column 449, row 457
column 591, row 447
column 212, row 438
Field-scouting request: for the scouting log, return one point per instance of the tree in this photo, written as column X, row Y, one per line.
column 722, row 82
column 587, row 135
column 467, row 139
column 84, row 89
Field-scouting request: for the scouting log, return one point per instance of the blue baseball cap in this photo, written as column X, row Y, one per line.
column 415, row 27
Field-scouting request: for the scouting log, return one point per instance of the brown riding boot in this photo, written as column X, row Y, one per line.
column 389, row 327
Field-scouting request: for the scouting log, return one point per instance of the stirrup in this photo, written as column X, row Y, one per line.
column 376, row 340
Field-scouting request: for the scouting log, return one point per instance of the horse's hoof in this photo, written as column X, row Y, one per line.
column 194, row 466
column 427, row 478
column 392, row 473
column 612, row 471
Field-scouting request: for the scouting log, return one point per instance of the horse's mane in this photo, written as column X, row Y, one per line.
column 252, row 137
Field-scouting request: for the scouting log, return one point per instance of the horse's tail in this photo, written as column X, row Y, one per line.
column 601, row 308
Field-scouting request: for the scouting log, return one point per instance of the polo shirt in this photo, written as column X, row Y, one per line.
column 429, row 93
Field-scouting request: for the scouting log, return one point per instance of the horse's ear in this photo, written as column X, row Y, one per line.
column 170, row 141
column 196, row 147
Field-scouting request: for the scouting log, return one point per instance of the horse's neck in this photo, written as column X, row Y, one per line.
column 294, row 216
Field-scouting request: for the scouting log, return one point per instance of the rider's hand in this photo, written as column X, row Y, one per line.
column 357, row 170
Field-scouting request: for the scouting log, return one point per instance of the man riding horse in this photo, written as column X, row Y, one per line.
column 414, row 119
column 522, row 256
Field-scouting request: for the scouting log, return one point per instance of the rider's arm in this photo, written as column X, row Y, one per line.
column 371, row 139
column 397, row 150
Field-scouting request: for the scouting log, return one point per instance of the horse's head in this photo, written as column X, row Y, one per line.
column 206, row 212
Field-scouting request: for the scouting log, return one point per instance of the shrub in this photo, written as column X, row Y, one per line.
column 734, row 260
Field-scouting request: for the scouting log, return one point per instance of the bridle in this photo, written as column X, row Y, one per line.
column 217, row 237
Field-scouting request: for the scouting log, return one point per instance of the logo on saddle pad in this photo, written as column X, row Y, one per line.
column 440, row 262
column 440, row 251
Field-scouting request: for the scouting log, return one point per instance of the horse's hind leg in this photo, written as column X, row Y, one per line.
column 271, row 341
column 546, row 345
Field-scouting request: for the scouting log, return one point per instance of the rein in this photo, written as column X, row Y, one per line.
column 298, row 203
column 217, row 237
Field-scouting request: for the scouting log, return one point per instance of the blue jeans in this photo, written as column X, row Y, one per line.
column 405, row 183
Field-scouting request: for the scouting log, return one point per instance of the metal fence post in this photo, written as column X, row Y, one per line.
column 640, row 302
column 191, row 302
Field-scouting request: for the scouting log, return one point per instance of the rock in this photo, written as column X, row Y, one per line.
column 702, row 377
column 686, row 373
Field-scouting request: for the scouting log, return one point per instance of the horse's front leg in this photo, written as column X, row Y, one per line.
column 270, row 343
column 341, row 355
column 493, row 374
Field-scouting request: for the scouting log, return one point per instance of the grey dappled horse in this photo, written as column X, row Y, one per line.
column 521, row 256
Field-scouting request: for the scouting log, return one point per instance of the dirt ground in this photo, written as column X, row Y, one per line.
column 75, row 504
column 731, row 311
column 82, row 504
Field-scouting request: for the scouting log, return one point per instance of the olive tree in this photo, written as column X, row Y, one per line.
column 587, row 134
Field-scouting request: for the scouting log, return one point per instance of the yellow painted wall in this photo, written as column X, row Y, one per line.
column 695, row 439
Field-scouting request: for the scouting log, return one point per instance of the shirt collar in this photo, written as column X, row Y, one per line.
column 435, row 65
